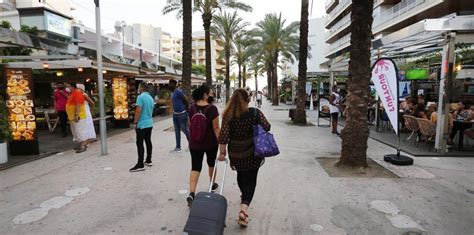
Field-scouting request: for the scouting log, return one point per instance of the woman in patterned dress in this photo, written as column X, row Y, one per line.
column 236, row 136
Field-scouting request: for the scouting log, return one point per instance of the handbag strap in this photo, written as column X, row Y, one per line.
column 255, row 115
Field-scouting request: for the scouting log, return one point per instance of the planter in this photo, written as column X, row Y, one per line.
column 3, row 153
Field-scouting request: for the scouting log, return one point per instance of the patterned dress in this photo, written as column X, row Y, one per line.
column 238, row 134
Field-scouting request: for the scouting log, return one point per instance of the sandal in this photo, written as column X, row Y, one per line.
column 81, row 149
column 243, row 219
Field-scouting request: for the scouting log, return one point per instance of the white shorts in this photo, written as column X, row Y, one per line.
column 79, row 130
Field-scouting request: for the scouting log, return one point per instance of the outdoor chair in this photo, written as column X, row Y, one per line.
column 427, row 129
column 384, row 122
column 411, row 124
column 52, row 120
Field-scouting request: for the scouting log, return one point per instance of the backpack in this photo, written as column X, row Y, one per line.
column 199, row 124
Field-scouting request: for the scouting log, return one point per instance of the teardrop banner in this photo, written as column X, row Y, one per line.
column 385, row 79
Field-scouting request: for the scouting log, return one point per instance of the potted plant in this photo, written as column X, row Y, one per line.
column 4, row 132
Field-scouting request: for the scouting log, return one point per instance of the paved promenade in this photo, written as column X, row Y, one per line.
column 87, row 193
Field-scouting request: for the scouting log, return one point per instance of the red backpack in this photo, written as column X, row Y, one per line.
column 199, row 124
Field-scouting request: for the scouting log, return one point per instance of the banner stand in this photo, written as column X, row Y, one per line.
column 385, row 78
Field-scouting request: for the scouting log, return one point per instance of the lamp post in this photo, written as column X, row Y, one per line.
column 103, row 130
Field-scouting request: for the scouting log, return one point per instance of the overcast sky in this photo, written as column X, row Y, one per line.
column 149, row 12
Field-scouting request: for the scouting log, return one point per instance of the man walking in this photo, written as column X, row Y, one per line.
column 180, row 114
column 144, row 125
column 60, row 98
column 76, row 113
column 334, row 100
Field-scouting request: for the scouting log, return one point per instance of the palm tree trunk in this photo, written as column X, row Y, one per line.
column 207, row 18
column 269, row 83
column 240, row 75
column 275, row 99
column 356, row 132
column 187, row 46
column 244, row 77
column 227, row 74
column 300, row 115
column 256, row 81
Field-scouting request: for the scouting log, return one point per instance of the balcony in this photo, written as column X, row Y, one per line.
column 338, row 27
column 330, row 4
column 7, row 5
column 336, row 12
column 401, row 12
column 338, row 45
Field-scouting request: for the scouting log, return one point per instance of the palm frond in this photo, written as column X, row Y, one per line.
column 173, row 5
column 233, row 4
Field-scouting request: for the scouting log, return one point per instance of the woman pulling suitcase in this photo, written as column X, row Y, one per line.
column 204, row 130
column 237, row 131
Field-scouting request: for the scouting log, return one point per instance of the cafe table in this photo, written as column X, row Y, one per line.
column 463, row 125
column 50, row 121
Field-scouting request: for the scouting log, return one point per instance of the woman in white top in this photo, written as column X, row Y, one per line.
column 90, row 130
column 334, row 100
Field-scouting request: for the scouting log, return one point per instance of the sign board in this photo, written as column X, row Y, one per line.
column 57, row 24
column 417, row 74
column 309, row 88
column 120, row 93
column 21, row 112
column 385, row 79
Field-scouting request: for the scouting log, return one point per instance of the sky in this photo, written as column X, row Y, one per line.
column 149, row 12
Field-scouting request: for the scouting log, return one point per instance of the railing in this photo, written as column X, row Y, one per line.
column 339, row 43
column 398, row 10
column 329, row 3
column 344, row 22
column 336, row 11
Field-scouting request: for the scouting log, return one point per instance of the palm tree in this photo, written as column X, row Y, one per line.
column 242, row 43
column 185, row 11
column 226, row 26
column 356, row 132
column 256, row 63
column 207, row 8
column 300, row 114
column 278, row 40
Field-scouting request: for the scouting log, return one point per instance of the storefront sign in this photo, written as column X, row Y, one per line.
column 120, row 93
column 20, row 105
column 384, row 77
column 58, row 24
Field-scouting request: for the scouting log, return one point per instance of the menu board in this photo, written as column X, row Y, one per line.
column 120, row 89
column 20, row 105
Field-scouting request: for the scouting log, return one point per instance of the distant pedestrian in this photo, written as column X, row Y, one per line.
column 76, row 112
column 89, row 104
column 237, row 132
column 259, row 99
column 60, row 99
column 204, row 130
column 180, row 114
column 334, row 108
column 143, row 122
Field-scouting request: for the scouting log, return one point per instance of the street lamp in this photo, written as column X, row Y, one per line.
column 100, row 79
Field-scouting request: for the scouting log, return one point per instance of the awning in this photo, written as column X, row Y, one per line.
column 165, row 78
column 9, row 38
column 424, row 36
column 74, row 64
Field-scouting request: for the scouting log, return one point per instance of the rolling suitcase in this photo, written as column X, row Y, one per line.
column 208, row 212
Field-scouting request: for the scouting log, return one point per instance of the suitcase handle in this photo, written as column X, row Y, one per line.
column 226, row 161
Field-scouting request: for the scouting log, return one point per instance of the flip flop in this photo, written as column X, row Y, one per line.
column 243, row 220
